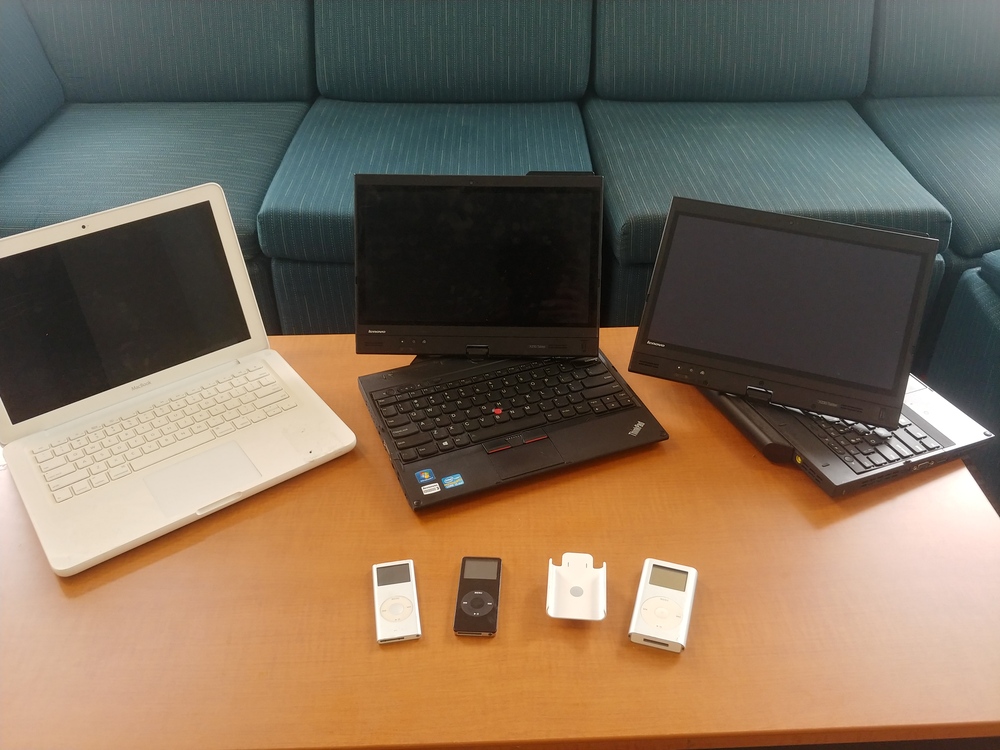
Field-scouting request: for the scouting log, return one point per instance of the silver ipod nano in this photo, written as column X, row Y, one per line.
column 397, row 614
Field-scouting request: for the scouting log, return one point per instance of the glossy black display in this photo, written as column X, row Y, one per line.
column 807, row 313
column 110, row 307
column 478, row 266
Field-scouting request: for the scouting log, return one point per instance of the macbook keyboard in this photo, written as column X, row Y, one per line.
column 512, row 400
column 864, row 447
column 131, row 442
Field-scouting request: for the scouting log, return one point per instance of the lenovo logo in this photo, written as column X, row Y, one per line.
column 371, row 331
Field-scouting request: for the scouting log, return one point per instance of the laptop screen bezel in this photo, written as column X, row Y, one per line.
column 210, row 193
column 760, row 380
column 479, row 341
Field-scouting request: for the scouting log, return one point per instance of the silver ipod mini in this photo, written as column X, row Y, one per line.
column 663, row 603
column 397, row 615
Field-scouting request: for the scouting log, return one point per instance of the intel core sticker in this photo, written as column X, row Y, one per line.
column 430, row 489
column 452, row 481
column 424, row 475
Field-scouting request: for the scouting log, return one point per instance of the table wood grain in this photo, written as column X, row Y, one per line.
column 875, row 617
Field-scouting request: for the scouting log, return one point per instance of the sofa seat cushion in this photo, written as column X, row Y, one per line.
column 308, row 213
column 307, row 219
column 990, row 270
column 965, row 366
column 816, row 159
column 90, row 157
column 952, row 146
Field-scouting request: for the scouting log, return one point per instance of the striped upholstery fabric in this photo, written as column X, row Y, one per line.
column 815, row 159
column 966, row 364
column 308, row 212
column 935, row 48
column 314, row 297
column 731, row 50
column 90, row 157
column 952, row 146
column 453, row 50
column 307, row 215
column 29, row 89
column 178, row 50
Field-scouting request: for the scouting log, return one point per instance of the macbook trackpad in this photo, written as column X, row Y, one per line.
column 208, row 477
column 524, row 459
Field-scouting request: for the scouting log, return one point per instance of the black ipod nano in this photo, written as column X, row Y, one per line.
column 478, row 597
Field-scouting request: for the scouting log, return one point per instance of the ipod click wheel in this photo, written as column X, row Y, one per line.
column 663, row 603
column 397, row 616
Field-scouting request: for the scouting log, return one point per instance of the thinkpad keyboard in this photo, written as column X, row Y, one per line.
column 519, row 399
column 864, row 447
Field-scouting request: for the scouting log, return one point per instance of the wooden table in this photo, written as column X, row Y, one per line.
column 875, row 617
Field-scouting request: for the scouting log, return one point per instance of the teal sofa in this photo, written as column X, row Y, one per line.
column 736, row 102
column 883, row 112
column 107, row 102
column 448, row 86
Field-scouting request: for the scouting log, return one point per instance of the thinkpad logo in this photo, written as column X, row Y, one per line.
column 634, row 432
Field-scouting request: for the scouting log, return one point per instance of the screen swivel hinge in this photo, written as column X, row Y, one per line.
column 759, row 394
column 477, row 351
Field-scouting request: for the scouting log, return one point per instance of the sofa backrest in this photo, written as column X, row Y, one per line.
column 731, row 50
column 178, row 50
column 453, row 50
column 935, row 48
column 29, row 89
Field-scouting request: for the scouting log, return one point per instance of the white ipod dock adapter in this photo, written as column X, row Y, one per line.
column 397, row 615
column 663, row 604
column 577, row 590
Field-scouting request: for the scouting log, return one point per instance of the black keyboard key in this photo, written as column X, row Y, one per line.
column 887, row 453
column 897, row 445
column 603, row 390
column 910, row 442
column 404, row 431
column 413, row 441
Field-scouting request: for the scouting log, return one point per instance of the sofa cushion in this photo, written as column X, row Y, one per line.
column 452, row 50
column 952, row 146
column 308, row 212
column 177, row 50
column 29, row 89
column 965, row 366
column 90, row 157
column 815, row 159
column 935, row 48
column 314, row 297
column 990, row 270
column 731, row 50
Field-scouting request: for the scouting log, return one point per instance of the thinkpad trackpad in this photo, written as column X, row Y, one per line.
column 524, row 459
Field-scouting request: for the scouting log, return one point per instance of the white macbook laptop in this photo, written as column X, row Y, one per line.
column 137, row 389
